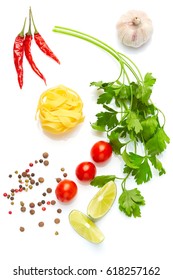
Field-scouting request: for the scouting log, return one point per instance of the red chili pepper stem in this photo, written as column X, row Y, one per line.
column 29, row 28
column 35, row 29
column 21, row 34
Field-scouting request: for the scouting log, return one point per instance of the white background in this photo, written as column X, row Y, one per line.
column 145, row 241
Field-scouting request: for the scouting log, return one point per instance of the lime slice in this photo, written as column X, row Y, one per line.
column 102, row 201
column 85, row 227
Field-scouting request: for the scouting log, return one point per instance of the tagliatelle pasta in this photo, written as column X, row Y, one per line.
column 59, row 109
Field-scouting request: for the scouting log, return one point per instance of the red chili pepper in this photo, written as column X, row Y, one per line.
column 18, row 52
column 42, row 44
column 44, row 47
column 27, row 47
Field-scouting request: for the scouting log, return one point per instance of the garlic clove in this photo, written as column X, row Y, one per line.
column 134, row 28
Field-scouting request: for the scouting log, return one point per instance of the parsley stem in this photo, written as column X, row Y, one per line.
column 139, row 72
column 117, row 55
column 123, row 184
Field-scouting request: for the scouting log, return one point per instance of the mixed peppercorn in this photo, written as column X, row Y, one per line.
column 27, row 180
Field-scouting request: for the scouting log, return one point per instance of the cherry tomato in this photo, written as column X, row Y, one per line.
column 66, row 190
column 101, row 151
column 86, row 171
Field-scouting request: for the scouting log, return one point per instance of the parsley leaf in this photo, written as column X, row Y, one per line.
column 108, row 120
column 143, row 92
column 100, row 181
column 98, row 127
column 105, row 98
column 157, row 164
column 115, row 142
column 132, row 160
column 130, row 202
column 149, row 80
column 133, row 122
column 149, row 127
column 101, row 84
column 157, row 144
column 143, row 173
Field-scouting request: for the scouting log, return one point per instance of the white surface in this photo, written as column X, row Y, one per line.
column 129, row 242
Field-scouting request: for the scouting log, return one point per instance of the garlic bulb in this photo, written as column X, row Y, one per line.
column 134, row 28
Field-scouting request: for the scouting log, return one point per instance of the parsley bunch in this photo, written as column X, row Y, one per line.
column 133, row 125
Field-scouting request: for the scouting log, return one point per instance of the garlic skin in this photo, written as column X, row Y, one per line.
column 134, row 28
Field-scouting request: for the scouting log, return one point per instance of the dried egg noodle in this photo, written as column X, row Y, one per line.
column 59, row 109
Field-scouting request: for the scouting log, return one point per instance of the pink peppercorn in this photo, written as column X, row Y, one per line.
column 48, row 202
column 27, row 170
column 10, row 212
column 5, row 194
column 31, row 164
column 44, row 208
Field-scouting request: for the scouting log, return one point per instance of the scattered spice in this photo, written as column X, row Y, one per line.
column 41, row 180
column 23, row 209
column 45, row 155
column 53, row 202
column 64, row 174
column 62, row 169
column 24, row 174
column 46, row 162
column 26, row 182
column 32, row 182
column 32, row 205
column 57, row 221
column 49, row 190
column 58, row 180
column 56, row 233
column 32, row 211
column 41, row 224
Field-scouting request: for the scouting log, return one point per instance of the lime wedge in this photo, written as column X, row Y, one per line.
column 102, row 201
column 85, row 227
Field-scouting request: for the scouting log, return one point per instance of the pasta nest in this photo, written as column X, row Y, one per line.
column 59, row 109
